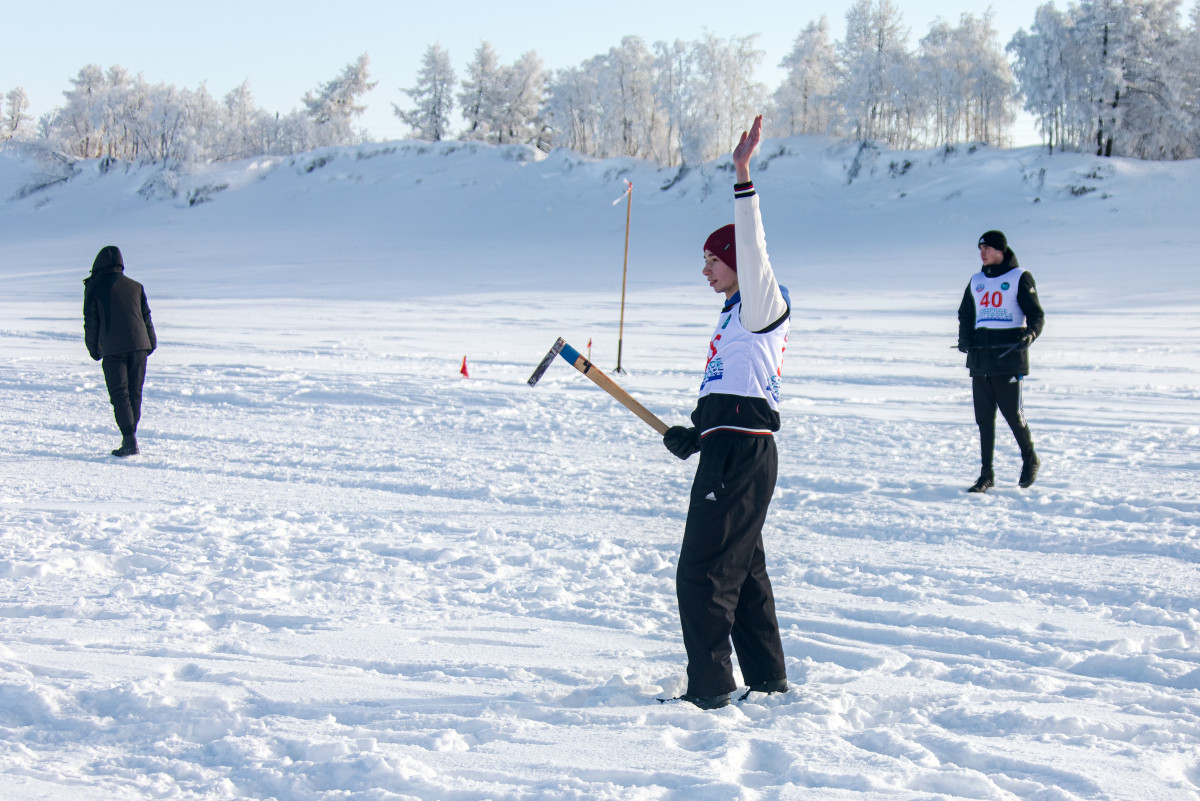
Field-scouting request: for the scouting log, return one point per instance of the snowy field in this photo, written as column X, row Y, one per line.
column 339, row 570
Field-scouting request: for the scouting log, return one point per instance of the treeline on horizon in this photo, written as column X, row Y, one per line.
column 1117, row 77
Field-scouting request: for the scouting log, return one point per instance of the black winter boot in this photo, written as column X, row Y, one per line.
column 986, row 480
column 1029, row 470
column 766, row 687
column 128, row 446
column 706, row 701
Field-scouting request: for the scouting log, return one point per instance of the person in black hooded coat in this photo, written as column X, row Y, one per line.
column 119, row 334
column 999, row 318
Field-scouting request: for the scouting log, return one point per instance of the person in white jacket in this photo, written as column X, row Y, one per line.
column 726, row 603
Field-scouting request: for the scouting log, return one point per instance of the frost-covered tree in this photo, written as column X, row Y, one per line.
column 723, row 95
column 967, row 80
column 76, row 123
column 574, row 110
column 110, row 111
column 16, row 122
column 990, row 86
column 504, row 104
column 875, row 68
column 1111, row 76
column 626, row 86
column 1156, row 123
column 115, row 114
column 677, row 103
column 1101, row 28
column 481, row 93
column 162, row 126
column 246, row 131
column 908, row 115
column 607, row 105
column 206, row 124
column 1190, row 57
column 942, row 70
column 673, row 91
column 334, row 106
column 170, row 131
column 518, row 117
column 433, row 96
column 1045, row 66
column 806, row 102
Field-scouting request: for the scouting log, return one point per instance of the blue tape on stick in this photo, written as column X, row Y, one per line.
column 569, row 353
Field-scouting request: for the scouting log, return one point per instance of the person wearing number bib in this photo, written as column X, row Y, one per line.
column 999, row 318
column 726, row 603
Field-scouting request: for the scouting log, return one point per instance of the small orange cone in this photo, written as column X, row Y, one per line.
column 463, row 369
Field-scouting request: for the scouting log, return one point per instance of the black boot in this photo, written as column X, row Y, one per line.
column 128, row 446
column 986, row 480
column 766, row 687
column 706, row 701
column 1029, row 470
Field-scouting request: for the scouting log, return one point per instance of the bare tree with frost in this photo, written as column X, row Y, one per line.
column 16, row 122
column 806, row 102
column 518, row 116
column 1110, row 76
column 874, row 64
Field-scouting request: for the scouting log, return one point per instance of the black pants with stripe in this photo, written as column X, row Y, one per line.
column 124, row 374
column 721, row 582
column 1001, row 392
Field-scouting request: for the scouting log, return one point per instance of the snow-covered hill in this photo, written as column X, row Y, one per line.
column 339, row 570
column 383, row 220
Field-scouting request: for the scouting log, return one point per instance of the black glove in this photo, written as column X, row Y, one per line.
column 681, row 441
column 1027, row 340
column 963, row 348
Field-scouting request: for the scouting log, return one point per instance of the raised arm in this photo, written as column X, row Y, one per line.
column 763, row 305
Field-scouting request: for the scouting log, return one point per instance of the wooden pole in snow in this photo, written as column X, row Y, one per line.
column 624, row 273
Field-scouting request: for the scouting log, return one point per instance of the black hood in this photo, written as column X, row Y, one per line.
column 108, row 260
column 991, row 271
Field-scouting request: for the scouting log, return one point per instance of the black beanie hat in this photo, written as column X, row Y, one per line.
column 994, row 239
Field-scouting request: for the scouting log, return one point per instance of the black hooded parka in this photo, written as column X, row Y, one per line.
column 116, row 316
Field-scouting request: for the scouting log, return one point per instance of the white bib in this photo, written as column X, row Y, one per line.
column 996, row 300
column 744, row 363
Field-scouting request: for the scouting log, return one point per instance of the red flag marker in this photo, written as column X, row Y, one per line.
column 463, row 369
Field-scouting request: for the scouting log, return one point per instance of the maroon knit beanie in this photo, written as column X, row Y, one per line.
column 720, row 243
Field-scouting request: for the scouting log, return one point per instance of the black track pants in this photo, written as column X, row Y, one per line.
column 124, row 374
column 722, row 585
column 999, row 392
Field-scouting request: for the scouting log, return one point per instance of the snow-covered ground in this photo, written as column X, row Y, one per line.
column 339, row 570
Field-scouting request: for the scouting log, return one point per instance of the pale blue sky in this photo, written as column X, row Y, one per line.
column 287, row 48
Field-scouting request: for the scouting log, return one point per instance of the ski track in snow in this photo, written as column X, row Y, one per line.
column 339, row 570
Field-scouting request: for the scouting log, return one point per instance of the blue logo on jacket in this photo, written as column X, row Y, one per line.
column 714, row 372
